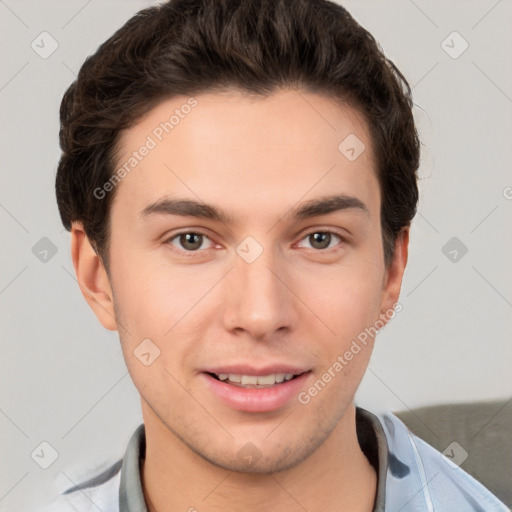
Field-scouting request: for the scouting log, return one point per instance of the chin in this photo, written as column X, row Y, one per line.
column 263, row 457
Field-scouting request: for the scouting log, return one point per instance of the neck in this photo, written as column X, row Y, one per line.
column 337, row 476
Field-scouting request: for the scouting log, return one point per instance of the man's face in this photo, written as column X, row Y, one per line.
column 262, row 291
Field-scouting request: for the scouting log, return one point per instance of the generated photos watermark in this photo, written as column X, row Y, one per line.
column 156, row 136
column 344, row 359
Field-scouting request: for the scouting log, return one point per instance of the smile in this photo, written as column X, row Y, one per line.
column 254, row 381
column 255, row 393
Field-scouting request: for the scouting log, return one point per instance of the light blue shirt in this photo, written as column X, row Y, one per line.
column 412, row 476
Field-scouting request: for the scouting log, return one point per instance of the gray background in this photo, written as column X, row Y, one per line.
column 63, row 378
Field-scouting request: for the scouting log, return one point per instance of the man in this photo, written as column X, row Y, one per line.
column 239, row 180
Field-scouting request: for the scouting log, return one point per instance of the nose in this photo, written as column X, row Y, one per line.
column 258, row 298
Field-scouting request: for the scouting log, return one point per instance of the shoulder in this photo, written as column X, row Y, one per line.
column 421, row 478
column 96, row 489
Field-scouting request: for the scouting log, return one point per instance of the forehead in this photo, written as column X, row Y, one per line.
column 247, row 153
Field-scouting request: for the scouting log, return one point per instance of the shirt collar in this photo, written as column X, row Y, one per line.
column 374, row 445
column 370, row 434
column 131, row 496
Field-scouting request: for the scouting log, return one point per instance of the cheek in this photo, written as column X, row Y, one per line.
column 156, row 294
column 344, row 299
column 165, row 304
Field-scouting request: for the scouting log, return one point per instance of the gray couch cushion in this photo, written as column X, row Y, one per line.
column 482, row 429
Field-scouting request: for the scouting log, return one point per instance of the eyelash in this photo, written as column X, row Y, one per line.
column 189, row 253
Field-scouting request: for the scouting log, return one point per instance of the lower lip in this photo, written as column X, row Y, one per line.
column 256, row 399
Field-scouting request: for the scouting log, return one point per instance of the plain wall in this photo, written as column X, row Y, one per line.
column 63, row 377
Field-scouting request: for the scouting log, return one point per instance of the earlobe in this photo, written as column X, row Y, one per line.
column 394, row 273
column 92, row 277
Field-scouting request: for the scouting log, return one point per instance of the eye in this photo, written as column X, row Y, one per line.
column 189, row 241
column 320, row 240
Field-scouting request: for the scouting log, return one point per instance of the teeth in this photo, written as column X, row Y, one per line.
column 267, row 379
column 263, row 380
column 248, row 379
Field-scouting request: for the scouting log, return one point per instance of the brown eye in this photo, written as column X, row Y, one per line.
column 189, row 241
column 321, row 240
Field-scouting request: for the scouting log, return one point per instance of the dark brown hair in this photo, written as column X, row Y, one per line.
column 185, row 47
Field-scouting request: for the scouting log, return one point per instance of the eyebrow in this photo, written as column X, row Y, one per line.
column 309, row 209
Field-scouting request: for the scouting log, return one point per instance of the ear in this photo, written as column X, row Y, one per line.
column 392, row 281
column 92, row 277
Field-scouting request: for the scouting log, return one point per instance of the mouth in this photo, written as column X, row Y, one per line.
column 254, row 381
column 251, row 393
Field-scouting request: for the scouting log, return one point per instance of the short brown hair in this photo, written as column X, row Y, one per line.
column 185, row 47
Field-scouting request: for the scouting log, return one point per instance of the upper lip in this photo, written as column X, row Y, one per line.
column 247, row 369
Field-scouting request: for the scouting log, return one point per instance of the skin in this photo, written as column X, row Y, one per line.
column 257, row 159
